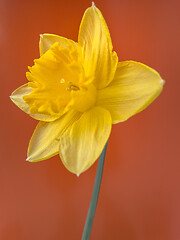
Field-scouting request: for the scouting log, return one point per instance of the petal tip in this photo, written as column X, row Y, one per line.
column 162, row 81
column 78, row 174
column 12, row 98
column 28, row 159
column 93, row 4
column 41, row 35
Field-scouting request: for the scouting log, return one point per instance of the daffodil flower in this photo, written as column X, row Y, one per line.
column 77, row 90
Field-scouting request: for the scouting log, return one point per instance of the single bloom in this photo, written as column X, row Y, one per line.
column 77, row 90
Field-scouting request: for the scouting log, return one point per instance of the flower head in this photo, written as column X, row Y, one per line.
column 78, row 90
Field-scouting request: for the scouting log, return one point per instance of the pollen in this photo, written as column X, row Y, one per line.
column 62, row 80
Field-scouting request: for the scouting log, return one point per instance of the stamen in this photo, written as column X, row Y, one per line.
column 72, row 87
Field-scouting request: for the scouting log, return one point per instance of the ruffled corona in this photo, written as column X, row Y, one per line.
column 59, row 83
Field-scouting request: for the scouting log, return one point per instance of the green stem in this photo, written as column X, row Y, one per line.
column 95, row 194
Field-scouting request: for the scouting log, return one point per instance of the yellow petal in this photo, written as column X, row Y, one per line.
column 98, row 59
column 133, row 88
column 44, row 142
column 17, row 98
column 82, row 144
column 47, row 40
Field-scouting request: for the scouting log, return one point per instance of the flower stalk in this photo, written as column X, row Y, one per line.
column 95, row 195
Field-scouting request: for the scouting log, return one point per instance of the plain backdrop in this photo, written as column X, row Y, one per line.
column 140, row 193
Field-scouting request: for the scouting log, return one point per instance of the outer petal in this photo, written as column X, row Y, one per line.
column 82, row 144
column 47, row 40
column 94, row 38
column 133, row 88
column 17, row 98
column 45, row 139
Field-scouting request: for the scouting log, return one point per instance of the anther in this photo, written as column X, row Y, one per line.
column 72, row 87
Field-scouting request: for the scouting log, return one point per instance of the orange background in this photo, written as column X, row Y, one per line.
column 140, row 194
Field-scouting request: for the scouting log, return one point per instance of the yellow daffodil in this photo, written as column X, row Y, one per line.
column 78, row 90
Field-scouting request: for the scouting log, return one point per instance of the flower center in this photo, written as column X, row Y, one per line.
column 84, row 98
column 72, row 87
